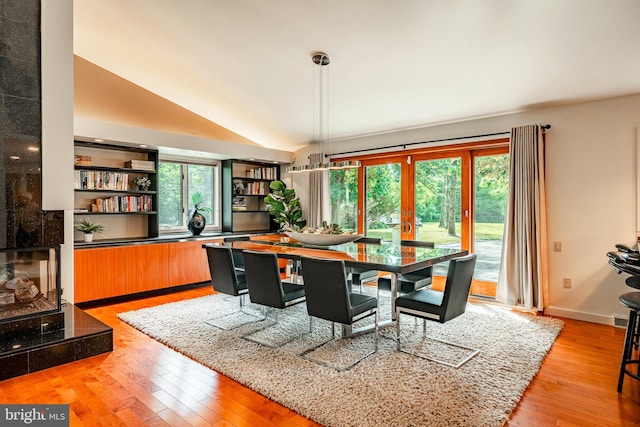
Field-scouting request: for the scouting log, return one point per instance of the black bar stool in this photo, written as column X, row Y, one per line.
column 630, row 300
column 633, row 281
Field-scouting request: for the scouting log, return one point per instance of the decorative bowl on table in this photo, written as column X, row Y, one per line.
column 322, row 239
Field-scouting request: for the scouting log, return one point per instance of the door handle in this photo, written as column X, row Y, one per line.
column 409, row 228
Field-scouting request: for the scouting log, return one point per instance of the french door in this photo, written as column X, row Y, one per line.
column 455, row 198
column 413, row 198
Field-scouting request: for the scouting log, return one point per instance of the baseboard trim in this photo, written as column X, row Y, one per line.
column 580, row 315
column 146, row 294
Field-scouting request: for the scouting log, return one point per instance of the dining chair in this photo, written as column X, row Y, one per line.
column 267, row 289
column 328, row 298
column 415, row 280
column 238, row 261
column 440, row 306
column 226, row 279
column 359, row 275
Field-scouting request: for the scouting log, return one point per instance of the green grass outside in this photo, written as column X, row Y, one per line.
column 429, row 231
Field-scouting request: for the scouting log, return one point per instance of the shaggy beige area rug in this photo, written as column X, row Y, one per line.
column 387, row 388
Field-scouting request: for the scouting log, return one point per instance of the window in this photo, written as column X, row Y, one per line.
column 344, row 198
column 177, row 183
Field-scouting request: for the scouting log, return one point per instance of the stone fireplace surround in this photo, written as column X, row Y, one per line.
column 44, row 331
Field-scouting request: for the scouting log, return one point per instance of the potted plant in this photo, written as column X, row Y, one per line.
column 89, row 228
column 143, row 183
column 283, row 204
column 195, row 220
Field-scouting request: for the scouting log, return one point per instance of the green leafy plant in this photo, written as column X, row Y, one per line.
column 325, row 228
column 88, row 227
column 197, row 199
column 194, row 220
column 284, row 206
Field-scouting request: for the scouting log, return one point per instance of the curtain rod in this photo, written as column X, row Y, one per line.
column 405, row 145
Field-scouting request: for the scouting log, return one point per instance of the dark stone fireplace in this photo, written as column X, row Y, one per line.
column 29, row 284
column 37, row 329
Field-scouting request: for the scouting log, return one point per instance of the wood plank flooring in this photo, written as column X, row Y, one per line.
column 144, row 383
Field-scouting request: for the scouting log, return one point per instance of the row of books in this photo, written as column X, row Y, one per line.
column 263, row 173
column 97, row 180
column 259, row 188
column 239, row 204
column 253, row 204
column 123, row 204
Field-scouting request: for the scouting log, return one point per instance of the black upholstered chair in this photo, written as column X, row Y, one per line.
column 440, row 306
column 411, row 281
column 328, row 298
column 225, row 279
column 266, row 289
column 237, row 256
column 360, row 276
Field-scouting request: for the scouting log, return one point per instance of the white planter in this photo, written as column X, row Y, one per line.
column 88, row 237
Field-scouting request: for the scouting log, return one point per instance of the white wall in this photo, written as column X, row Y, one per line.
column 591, row 190
column 57, row 124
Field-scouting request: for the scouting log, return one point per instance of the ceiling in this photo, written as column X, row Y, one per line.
column 245, row 65
column 102, row 95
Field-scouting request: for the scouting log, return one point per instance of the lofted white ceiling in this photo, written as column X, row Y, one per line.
column 246, row 64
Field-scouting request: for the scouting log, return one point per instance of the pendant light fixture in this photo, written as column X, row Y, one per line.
column 317, row 159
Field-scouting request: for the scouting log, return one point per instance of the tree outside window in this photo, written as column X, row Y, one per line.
column 343, row 184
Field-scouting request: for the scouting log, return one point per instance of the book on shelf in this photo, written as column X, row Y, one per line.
column 82, row 160
column 147, row 165
column 118, row 204
column 269, row 173
column 239, row 204
column 99, row 180
column 256, row 188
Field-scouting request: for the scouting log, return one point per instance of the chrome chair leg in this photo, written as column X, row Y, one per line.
column 265, row 311
column 474, row 351
column 375, row 350
column 376, row 332
column 215, row 321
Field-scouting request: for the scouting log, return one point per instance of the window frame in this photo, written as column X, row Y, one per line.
column 407, row 158
column 216, row 213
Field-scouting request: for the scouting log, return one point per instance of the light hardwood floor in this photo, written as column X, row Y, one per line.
column 144, row 383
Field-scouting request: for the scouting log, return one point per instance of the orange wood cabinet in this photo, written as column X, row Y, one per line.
column 146, row 267
column 99, row 273
column 188, row 263
column 120, row 270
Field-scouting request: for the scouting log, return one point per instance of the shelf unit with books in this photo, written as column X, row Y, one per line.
column 105, row 185
column 244, row 186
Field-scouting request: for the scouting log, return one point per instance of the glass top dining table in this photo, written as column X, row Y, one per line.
column 386, row 256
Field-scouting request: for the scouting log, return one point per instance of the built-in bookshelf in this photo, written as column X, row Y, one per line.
column 105, row 179
column 244, row 187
